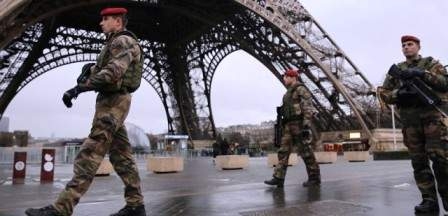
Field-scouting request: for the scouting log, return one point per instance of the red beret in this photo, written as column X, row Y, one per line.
column 113, row 11
column 405, row 38
column 291, row 73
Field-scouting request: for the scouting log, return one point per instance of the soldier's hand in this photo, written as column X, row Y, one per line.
column 411, row 73
column 69, row 95
column 306, row 133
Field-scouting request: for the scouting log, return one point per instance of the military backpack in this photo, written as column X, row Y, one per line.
column 132, row 77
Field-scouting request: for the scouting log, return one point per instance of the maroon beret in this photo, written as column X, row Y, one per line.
column 291, row 73
column 113, row 11
column 405, row 38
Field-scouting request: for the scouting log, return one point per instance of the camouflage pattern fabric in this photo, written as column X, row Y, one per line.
column 121, row 55
column 297, row 105
column 108, row 133
column 435, row 78
column 425, row 131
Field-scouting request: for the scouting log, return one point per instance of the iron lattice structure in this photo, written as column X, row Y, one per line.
column 184, row 41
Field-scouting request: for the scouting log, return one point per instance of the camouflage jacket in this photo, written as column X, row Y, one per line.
column 435, row 78
column 297, row 104
column 119, row 55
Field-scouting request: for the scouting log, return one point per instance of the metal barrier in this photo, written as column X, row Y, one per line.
column 189, row 154
column 34, row 154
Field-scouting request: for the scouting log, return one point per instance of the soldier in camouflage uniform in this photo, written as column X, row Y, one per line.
column 297, row 111
column 116, row 73
column 425, row 130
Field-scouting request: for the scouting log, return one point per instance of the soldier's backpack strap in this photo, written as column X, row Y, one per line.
column 128, row 33
column 426, row 63
column 132, row 35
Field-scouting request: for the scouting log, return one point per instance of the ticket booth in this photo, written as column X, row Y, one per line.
column 175, row 143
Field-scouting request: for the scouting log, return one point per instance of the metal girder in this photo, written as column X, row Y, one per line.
column 184, row 42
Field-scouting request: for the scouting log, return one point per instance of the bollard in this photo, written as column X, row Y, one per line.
column 19, row 168
column 47, row 165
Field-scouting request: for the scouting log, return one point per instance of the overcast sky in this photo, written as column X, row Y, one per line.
column 243, row 90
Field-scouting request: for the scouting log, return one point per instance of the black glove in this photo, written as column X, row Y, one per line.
column 411, row 73
column 72, row 94
column 306, row 133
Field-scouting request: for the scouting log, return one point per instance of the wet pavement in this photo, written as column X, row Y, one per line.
column 362, row 188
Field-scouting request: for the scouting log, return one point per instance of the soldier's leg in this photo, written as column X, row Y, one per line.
column 111, row 110
column 120, row 156
column 413, row 138
column 85, row 165
column 440, row 167
column 283, row 155
column 306, row 152
column 436, row 134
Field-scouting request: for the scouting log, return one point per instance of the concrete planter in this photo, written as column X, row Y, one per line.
column 165, row 164
column 326, row 157
column 273, row 159
column 232, row 161
column 356, row 156
column 105, row 168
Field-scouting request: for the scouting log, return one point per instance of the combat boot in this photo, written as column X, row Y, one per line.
column 275, row 182
column 427, row 206
column 311, row 183
column 131, row 211
column 44, row 211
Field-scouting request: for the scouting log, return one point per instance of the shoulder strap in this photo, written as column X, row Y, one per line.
column 297, row 87
column 132, row 35
column 402, row 65
column 426, row 62
column 128, row 33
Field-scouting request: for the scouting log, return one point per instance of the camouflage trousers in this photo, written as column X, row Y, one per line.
column 108, row 135
column 425, row 134
column 292, row 139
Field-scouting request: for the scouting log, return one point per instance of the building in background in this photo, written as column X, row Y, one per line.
column 260, row 136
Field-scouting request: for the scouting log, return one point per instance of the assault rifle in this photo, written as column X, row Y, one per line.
column 417, row 86
column 85, row 73
column 278, row 128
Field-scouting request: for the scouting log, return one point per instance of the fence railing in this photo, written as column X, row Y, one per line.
column 187, row 154
column 34, row 154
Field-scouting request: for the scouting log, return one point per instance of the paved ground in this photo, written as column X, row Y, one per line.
column 362, row 188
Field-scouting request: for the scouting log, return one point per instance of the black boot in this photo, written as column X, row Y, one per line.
column 44, row 211
column 275, row 182
column 427, row 206
column 311, row 183
column 131, row 211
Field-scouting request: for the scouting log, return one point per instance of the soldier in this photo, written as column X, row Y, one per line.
column 115, row 75
column 425, row 130
column 297, row 111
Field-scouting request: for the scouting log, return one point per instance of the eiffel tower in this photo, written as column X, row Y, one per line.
column 184, row 41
